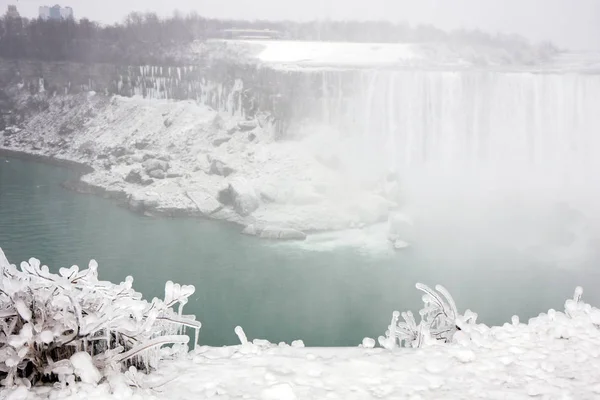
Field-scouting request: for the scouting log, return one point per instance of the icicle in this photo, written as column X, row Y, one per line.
column 241, row 335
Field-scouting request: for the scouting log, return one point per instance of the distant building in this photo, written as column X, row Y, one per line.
column 12, row 12
column 56, row 12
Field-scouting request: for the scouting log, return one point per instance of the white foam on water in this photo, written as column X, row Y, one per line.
column 371, row 240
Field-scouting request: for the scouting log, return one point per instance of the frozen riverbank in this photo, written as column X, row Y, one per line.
column 517, row 362
column 554, row 355
column 163, row 157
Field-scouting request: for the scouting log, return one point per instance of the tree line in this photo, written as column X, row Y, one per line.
column 144, row 37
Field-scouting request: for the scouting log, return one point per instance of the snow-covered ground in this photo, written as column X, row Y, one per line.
column 319, row 54
column 298, row 54
column 554, row 356
column 182, row 158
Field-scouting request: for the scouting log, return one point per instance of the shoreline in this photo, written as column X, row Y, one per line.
column 80, row 168
column 79, row 186
column 180, row 160
column 121, row 198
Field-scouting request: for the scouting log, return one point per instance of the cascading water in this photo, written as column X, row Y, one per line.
column 469, row 118
column 476, row 151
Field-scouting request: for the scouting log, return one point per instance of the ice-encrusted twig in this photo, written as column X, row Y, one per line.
column 438, row 321
column 46, row 318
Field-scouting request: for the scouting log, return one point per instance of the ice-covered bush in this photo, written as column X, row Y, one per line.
column 440, row 320
column 58, row 327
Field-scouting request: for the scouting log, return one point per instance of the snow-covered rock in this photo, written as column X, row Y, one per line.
column 242, row 196
column 207, row 205
column 155, row 164
column 157, row 174
column 247, row 125
column 134, row 176
column 251, row 230
column 220, row 140
column 218, row 167
column 136, row 202
column 368, row 343
column 280, row 233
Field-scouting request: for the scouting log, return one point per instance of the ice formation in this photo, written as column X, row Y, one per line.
column 57, row 326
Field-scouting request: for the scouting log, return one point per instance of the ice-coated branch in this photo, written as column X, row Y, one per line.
column 48, row 320
column 439, row 321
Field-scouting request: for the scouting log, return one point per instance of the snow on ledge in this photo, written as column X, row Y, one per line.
column 317, row 54
column 310, row 55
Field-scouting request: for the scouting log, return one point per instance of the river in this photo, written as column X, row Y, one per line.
column 326, row 296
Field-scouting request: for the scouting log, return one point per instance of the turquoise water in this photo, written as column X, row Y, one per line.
column 278, row 292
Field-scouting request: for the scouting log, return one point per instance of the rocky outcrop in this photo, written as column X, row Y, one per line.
column 134, row 176
column 218, row 167
column 220, row 140
column 240, row 194
column 155, row 164
column 206, row 204
column 157, row 174
column 251, row 230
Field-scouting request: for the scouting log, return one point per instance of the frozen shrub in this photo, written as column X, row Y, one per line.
column 439, row 321
column 55, row 327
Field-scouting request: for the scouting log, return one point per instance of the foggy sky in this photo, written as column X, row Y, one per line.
column 568, row 23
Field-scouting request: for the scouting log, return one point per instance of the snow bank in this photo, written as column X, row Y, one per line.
column 554, row 356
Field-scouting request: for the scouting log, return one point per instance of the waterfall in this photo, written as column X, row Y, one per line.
column 468, row 118
column 486, row 149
